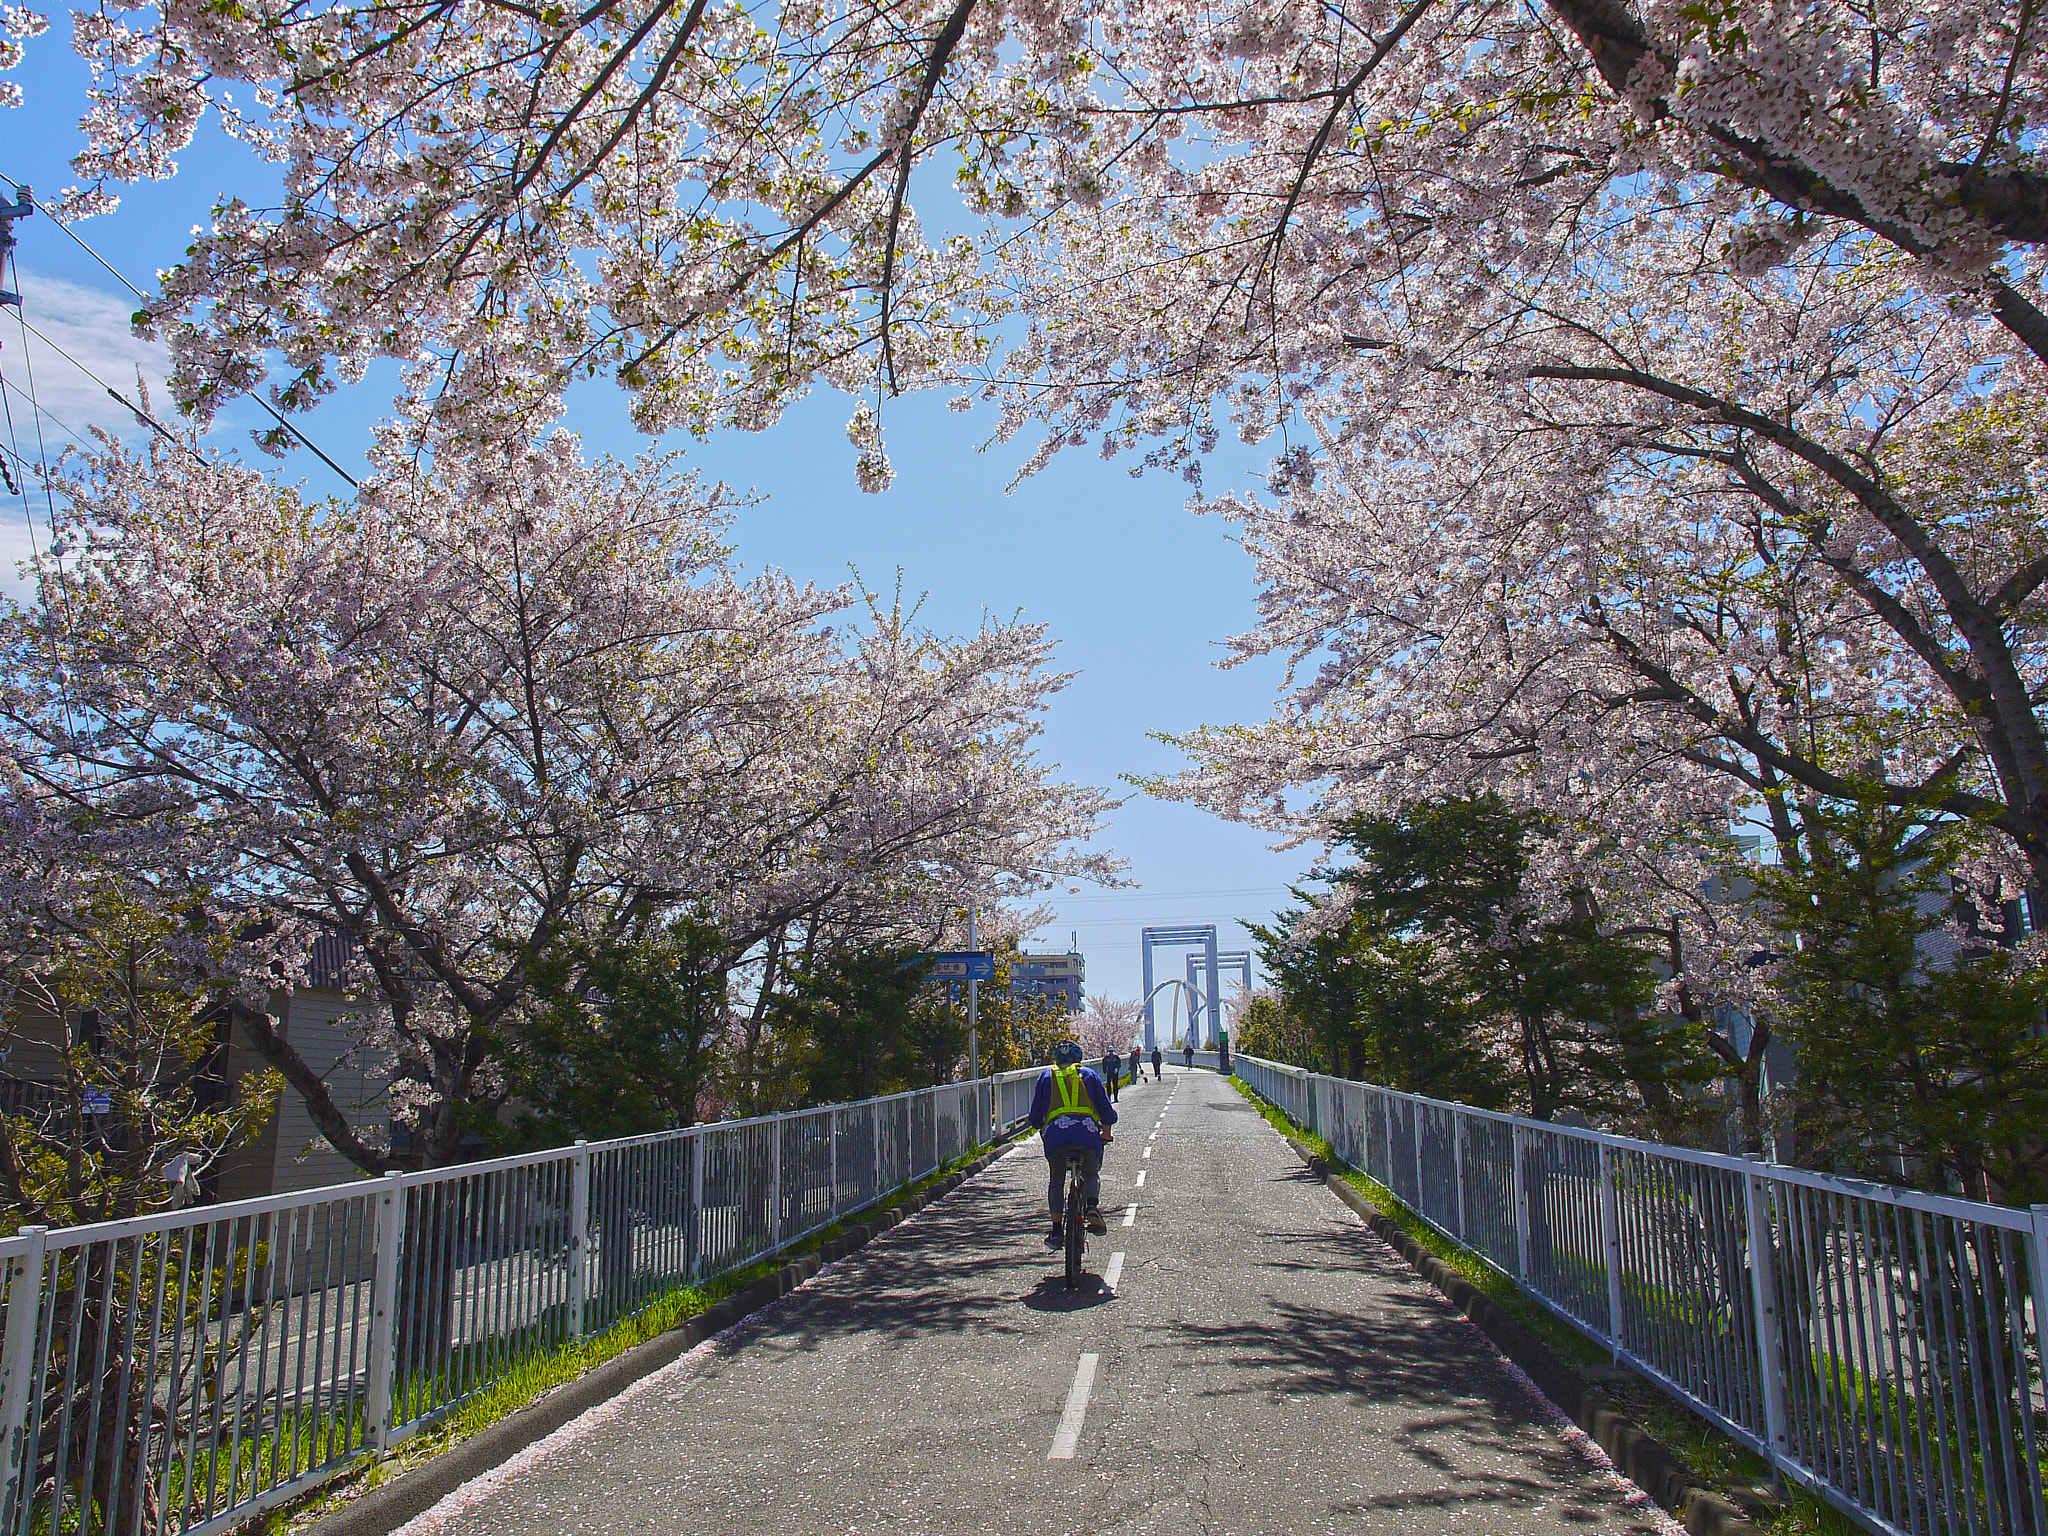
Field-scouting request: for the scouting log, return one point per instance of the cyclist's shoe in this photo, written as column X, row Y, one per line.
column 1057, row 1237
column 1095, row 1222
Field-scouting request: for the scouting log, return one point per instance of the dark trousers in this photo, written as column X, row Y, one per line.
column 1091, row 1175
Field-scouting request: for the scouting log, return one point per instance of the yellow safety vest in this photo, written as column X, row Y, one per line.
column 1070, row 1094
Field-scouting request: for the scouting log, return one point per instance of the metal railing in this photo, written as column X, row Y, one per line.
column 1881, row 1347
column 177, row 1373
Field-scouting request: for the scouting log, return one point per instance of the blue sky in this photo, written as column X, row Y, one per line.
column 1137, row 590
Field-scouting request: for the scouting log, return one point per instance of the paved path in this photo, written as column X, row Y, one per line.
column 1265, row 1365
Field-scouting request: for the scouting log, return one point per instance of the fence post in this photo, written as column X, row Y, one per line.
column 833, row 1139
column 1610, row 1242
column 1458, row 1164
column 2037, row 1268
column 18, row 1392
column 579, row 1235
column 1763, row 1294
column 774, row 1182
column 1521, row 1208
column 1422, row 1197
column 1387, row 1119
column 380, row 1410
column 696, row 1264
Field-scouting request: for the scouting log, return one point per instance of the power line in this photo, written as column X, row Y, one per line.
column 137, row 411
column 45, row 412
column 76, row 239
column 305, row 441
column 1158, row 896
column 22, row 209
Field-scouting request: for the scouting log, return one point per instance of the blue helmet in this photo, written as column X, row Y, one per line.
column 1066, row 1054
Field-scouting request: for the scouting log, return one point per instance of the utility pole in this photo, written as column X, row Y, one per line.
column 9, row 212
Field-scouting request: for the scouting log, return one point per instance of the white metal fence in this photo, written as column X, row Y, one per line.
column 177, row 1373
column 1882, row 1347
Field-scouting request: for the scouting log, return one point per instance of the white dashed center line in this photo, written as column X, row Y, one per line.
column 1114, row 1272
column 1141, row 1178
column 1069, row 1433
column 1131, row 1214
column 1146, row 1153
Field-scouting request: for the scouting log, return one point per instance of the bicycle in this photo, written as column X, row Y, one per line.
column 1073, row 1217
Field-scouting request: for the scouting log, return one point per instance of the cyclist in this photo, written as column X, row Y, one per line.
column 1071, row 1111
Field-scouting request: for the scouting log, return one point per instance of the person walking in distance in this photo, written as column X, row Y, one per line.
column 1071, row 1111
column 1111, row 1077
column 1158, row 1064
column 1137, row 1073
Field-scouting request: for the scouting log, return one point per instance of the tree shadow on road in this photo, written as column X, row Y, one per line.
column 1334, row 1251
column 959, row 1265
column 1450, row 1408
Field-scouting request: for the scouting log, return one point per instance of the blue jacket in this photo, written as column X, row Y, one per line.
column 1070, row 1130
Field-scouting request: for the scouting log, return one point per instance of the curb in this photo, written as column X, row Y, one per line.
column 385, row 1508
column 1636, row 1455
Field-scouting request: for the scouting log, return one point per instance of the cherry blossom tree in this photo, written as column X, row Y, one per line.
column 468, row 718
column 1109, row 1024
column 1654, row 547
column 713, row 204
column 708, row 203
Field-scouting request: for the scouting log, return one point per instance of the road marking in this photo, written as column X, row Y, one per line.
column 1141, row 1178
column 1146, row 1153
column 1069, row 1432
column 1131, row 1213
column 1114, row 1272
column 1153, row 1137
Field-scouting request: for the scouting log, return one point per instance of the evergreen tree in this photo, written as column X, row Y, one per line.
column 632, row 1050
column 1446, row 980
column 1909, row 1063
column 847, row 1016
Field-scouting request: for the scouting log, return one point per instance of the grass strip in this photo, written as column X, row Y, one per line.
column 529, row 1381
column 1718, row 1461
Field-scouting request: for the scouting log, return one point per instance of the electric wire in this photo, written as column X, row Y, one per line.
column 116, row 273
column 46, row 413
column 137, row 411
column 57, row 638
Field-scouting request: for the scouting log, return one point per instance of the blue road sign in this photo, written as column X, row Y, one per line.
column 961, row 965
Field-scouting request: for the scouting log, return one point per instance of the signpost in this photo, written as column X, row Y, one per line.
column 961, row 965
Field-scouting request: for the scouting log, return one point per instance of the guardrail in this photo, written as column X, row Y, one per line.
column 1881, row 1347
column 175, row 1374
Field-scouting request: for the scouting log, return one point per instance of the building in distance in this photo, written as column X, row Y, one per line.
column 1049, row 975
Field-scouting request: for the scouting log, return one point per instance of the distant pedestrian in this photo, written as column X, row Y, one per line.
column 1137, row 1073
column 1187, row 1052
column 1158, row 1064
column 1110, row 1062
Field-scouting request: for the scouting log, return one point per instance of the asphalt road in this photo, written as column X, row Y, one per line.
column 1264, row 1365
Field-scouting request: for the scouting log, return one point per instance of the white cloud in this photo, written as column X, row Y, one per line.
column 92, row 325
column 16, row 546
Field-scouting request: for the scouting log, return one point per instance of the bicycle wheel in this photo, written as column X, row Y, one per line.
column 1077, row 1233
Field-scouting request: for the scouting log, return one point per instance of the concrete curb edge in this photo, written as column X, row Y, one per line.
column 1636, row 1454
column 385, row 1508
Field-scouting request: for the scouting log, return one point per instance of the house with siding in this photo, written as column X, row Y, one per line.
column 289, row 1153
